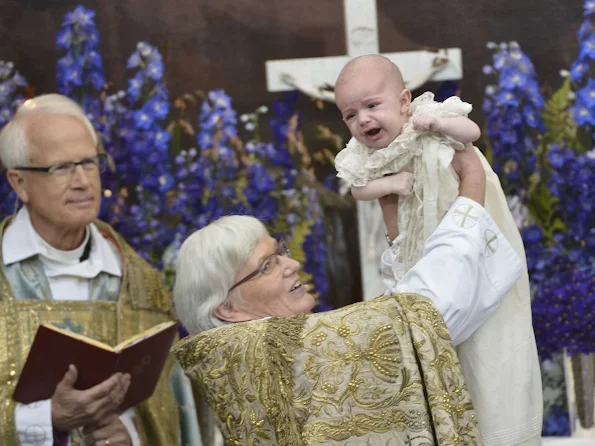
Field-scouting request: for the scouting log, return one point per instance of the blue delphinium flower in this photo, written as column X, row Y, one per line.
column 79, row 71
column 12, row 85
column 586, row 37
column 560, row 244
column 154, row 201
column 583, row 110
column 207, row 176
column 572, row 181
column 222, row 176
column 132, row 127
column 513, row 109
column 284, row 124
column 557, row 423
column 305, row 201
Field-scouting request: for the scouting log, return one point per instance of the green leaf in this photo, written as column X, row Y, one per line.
column 296, row 244
column 239, row 185
column 534, row 182
column 558, row 226
column 558, row 122
column 583, row 142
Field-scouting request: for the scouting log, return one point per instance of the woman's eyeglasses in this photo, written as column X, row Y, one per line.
column 268, row 265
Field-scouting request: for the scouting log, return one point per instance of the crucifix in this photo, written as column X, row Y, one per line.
column 313, row 76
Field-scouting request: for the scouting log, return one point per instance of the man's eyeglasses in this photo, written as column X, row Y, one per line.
column 67, row 169
column 268, row 265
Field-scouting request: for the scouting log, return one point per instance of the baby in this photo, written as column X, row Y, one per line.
column 392, row 135
column 405, row 148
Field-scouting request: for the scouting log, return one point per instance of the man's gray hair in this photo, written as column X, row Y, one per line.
column 14, row 146
column 208, row 265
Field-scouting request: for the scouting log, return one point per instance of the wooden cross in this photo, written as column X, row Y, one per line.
column 313, row 75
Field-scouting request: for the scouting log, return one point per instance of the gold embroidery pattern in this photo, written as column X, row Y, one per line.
column 145, row 302
column 362, row 383
column 370, row 373
column 245, row 372
column 447, row 392
column 8, row 368
column 380, row 372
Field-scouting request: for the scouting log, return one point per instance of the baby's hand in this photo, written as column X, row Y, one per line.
column 402, row 183
column 426, row 123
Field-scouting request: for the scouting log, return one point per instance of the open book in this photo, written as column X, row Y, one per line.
column 54, row 349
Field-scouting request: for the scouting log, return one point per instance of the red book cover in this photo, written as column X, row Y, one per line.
column 54, row 349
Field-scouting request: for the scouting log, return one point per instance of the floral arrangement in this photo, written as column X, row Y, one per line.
column 176, row 165
column 12, row 94
column 541, row 144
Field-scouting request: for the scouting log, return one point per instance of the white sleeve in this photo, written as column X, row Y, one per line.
column 127, row 418
column 467, row 268
column 34, row 423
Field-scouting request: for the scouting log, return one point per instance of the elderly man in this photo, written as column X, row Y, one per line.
column 382, row 372
column 62, row 266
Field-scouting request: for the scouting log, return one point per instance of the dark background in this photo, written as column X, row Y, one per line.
column 225, row 43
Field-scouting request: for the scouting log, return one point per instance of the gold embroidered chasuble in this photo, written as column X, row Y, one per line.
column 143, row 302
column 374, row 373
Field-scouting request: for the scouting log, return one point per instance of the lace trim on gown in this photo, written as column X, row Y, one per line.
column 428, row 156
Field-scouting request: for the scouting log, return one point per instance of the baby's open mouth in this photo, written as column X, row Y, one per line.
column 373, row 132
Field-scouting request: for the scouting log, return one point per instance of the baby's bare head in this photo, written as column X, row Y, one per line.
column 373, row 100
column 368, row 69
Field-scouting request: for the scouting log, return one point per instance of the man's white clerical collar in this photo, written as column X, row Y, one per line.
column 21, row 241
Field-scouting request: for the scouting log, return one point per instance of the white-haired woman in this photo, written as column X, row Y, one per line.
column 378, row 372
